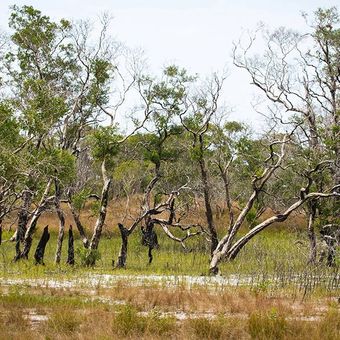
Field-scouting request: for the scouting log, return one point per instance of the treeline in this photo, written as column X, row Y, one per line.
column 62, row 88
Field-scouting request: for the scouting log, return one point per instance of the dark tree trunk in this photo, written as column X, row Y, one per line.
column 149, row 239
column 150, row 255
column 0, row 234
column 40, row 251
column 23, row 217
column 27, row 243
column 61, row 222
column 70, row 251
column 29, row 233
column 124, row 233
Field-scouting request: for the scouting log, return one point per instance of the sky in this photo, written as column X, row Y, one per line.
column 195, row 34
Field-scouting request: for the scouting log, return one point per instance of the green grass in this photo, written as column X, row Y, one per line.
column 272, row 254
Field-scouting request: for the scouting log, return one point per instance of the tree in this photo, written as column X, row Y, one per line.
column 60, row 84
column 201, row 106
column 304, row 83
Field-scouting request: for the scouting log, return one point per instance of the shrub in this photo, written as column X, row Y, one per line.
column 268, row 325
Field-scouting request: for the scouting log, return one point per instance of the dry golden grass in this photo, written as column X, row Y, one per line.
column 236, row 313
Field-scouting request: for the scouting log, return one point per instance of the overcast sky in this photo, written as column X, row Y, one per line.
column 196, row 34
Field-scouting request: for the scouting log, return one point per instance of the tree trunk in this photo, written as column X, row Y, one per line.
column 61, row 222
column 312, row 239
column 23, row 217
column 70, row 251
column 124, row 233
column 27, row 243
column 231, row 253
column 207, row 199
column 150, row 255
column 149, row 239
column 101, row 218
column 79, row 225
column 227, row 197
column 40, row 251
column 23, row 214
column 0, row 233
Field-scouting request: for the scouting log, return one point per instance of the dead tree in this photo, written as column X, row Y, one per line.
column 300, row 74
column 76, row 218
column 61, row 218
column 70, row 250
column 232, row 252
column 40, row 251
column 149, row 239
column 42, row 206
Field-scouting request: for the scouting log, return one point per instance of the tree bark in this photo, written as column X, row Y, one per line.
column 102, row 215
column 61, row 222
column 79, row 225
column 23, row 217
column 312, row 238
column 150, row 239
column 231, row 253
column 40, row 251
column 207, row 199
column 124, row 233
column 27, row 243
column 70, row 251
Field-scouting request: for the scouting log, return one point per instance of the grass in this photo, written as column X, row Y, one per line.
column 283, row 298
column 228, row 314
column 271, row 260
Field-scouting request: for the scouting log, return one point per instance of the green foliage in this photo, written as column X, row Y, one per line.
column 88, row 257
column 9, row 126
column 79, row 198
column 54, row 162
column 43, row 107
column 104, row 142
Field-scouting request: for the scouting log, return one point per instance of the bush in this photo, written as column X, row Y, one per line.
column 63, row 321
column 269, row 325
column 330, row 325
column 88, row 257
column 128, row 322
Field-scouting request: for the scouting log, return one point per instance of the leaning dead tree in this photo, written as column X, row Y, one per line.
column 299, row 74
column 229, row 246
